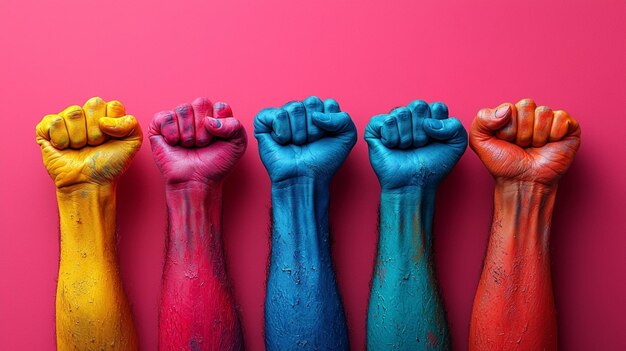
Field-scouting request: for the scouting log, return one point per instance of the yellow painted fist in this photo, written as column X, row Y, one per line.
column 93, row 144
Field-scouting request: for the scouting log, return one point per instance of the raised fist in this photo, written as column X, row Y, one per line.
column 93, row 144
column 304, row 139
column 200, row 142
column 415, row 145
column 523, row 142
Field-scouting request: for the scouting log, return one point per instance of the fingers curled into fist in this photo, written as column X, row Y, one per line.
column 195, row 125
column 304, row 122
column 198, row 142
column 90, row 144
column 415, row 126
column 525, row 141
column 524, row 124
column 90, row 125
column 416, row 145
column 309, row 138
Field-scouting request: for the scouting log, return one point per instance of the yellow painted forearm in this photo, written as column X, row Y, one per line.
column 92, row 312
column 85, row 150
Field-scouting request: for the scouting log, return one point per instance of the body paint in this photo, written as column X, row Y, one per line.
column 85, row 160
column 514, row 305
column 412, row 149
column 197, row 307
column 526, row 149
column 195, row 152
column 302, row 306
column 302, row 145
column 92, row 312
column 405, row 309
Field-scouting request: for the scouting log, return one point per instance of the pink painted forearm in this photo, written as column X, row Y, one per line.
column 197, row 307
column 514, row 305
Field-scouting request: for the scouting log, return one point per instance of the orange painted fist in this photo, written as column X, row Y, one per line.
column 525, row 143
column 93, row 144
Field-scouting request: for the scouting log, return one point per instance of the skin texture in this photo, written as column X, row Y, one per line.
column 526, row 149
column 302, row 145
column 411, row 150
column 85, row 150
column 195, row 147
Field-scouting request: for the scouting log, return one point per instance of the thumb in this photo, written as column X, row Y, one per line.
column 224, row 128
column 157, row 142
column 125, row 127
column 332, row 122
column 227, row 128
column 488, row 122
column 373, row 133
column 338, row 124
column 449, row 131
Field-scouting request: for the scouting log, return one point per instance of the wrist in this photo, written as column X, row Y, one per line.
column 192, row 198
column 87, row 221
column 520, row 186
column 301, row 182
column 194, row 212
column 408, row 191
column 523, row 210
column 406, row 220
column 300, row 210
column 193, row 186
column 300, row 191
column 85, row 192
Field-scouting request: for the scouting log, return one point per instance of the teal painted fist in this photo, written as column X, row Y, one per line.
column 415, row 145
column 304, row 139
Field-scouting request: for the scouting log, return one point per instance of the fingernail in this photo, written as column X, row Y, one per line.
column 435, row 124
column 222, row 109
column 108, row 122
column 322, row 117
column 214, row 122
column 501, row 112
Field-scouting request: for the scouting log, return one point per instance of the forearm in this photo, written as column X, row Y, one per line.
column 302, row 302
column 197, row 306
column 514, row 304
column 405, row 309
column 92, row 310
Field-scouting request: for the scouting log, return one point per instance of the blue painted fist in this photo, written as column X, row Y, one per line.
column 304, row 139
column 415, row 145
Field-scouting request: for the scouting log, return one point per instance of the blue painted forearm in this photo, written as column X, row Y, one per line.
column 302, row 308
column 405, row 309
column 302, row 145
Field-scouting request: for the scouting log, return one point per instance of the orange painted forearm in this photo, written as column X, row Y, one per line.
column 527, row 149
column 514, row 305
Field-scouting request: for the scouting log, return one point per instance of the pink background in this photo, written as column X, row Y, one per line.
column 369, row 55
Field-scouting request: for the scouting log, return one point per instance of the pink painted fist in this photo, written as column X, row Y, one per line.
column 200, row 142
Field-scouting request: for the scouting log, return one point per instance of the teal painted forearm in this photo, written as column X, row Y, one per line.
column 411, row 149
column 405, row 309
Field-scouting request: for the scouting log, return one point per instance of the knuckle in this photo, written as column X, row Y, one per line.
column 168, row 118
column 56, row 121
column 279, row 114
column 115, row 107
column 543, row 111
column 402, row 112
column 202, row 103
column 419, row 105
column 526, row 103
column 184, row 110
column 95, row 101
column 73, row 112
